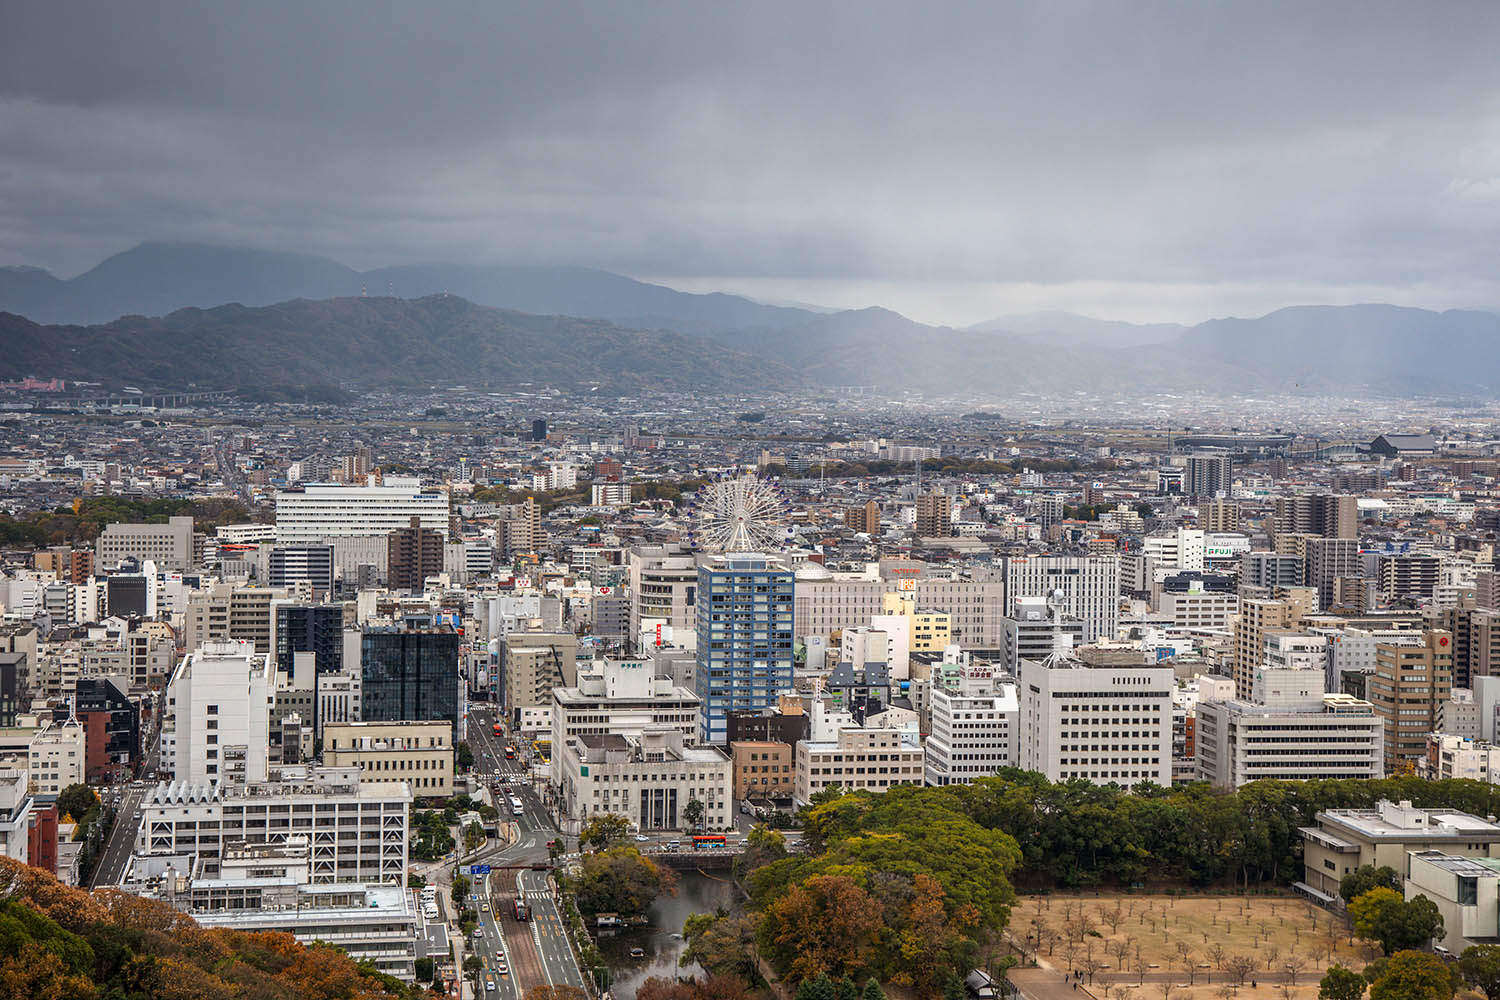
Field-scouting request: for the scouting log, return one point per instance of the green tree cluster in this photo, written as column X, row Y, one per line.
column 1076, row 833
column 603, row 831
column 1383, row 916
column 1367, row 877
column 83, row 521
column 901, row 887
column 619, row 880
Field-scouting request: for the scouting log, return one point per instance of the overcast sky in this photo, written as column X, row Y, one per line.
column 954, row 161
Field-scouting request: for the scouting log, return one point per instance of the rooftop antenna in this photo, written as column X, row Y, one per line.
column 1062, row 644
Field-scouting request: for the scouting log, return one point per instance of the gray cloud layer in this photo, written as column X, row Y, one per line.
column 1272, row 145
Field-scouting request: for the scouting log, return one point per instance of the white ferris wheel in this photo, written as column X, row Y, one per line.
column 739, row 514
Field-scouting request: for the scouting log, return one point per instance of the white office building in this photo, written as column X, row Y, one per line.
column 313, row 512
column 217, row 717
column 358, row 830
column 975, row 725
column 1182, row 550
column 15, row 813
column 56, row 758
column 1288, row 729
column 1088, row 588
column 624, row 697
column 1108, row 724
column 857, row 759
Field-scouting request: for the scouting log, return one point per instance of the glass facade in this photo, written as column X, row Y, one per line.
column 744, row 627
column 310, row 628
column 410, row 675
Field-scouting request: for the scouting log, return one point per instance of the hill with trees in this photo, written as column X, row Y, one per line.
column 62, row 943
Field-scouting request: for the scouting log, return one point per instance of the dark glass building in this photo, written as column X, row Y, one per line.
column 310, row 628
column 410, row 675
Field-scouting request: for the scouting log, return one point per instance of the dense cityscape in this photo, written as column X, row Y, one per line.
column 693, row 501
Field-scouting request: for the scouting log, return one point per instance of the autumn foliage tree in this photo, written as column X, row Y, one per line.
column 827, row 924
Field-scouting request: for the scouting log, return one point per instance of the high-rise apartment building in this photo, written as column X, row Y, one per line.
column 539, row 429
column 532, row 665
column 1408, row 689
column 1219, row 515
column 223, row 612
column 864, row 519
column 1331, row 516
column 744, row 634
column 1208, row 475
column 287, row 565
column 1257, row 617
column 413, row 553
column 410, row 675
column 1269, row 570
column 1406, row 576
column 216, row 721
column 934, row 515
column 313, row 512
column 1087, row 586
column 1329, row 560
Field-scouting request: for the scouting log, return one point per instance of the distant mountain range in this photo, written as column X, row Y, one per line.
column 294, row 323
column 307, row 348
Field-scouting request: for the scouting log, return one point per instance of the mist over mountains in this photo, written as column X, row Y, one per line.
column 168, row 314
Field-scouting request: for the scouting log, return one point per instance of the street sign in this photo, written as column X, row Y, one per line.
column 480, row 869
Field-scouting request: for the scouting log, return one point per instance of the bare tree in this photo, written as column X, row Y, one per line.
column 1070, row 952
column 1215, row 953
column 1090, row 966
column 1225, row 992
column 1113, row 916
column 1240, row 967
column 1120, row 949
column 1294, row 964
column 1272, row 954
column 1140, row 966
column 1185, row 953
column 1168, row 989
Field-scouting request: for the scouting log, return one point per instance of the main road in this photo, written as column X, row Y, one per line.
column 535, row 951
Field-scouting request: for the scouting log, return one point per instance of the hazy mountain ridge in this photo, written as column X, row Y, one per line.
column 154, row 279
column 713, row 340
column 377, row 341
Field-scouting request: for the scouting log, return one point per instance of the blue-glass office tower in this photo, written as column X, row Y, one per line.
column 744, row 618
column 410, row 675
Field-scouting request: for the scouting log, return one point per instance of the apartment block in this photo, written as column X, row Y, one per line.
column 418, row 753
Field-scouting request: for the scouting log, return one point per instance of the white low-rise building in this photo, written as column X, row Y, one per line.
column 649, row 778
column 623, row 698
column 56, row 757
column 15, row 814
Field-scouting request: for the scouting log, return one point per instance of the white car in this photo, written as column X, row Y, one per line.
column 642, row 840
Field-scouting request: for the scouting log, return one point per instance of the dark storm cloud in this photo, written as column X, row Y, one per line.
column 1194, row 143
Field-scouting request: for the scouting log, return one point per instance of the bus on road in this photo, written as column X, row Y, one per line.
column 708, row 840
column 516, row 809
column 510, row 752
column 521, row 909
column 497, row 729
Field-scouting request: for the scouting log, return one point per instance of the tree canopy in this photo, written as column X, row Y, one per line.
column 1381, row 915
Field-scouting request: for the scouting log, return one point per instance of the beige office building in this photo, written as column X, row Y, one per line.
column 1342, row 840
column 859, row 760
column 1408, row 689
column 418, row 753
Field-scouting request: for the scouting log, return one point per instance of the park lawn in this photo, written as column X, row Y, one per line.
column 1077, row 931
